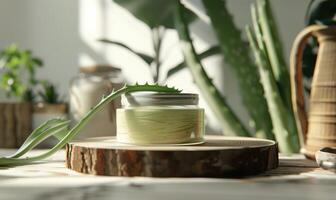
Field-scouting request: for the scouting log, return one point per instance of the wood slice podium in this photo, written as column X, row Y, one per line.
column 219, row 156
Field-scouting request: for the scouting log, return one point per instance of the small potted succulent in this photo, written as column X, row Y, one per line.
column 49, row 104
column 17, row 80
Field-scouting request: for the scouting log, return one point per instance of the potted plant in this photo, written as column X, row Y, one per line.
column 49, row 104
column 17, row 79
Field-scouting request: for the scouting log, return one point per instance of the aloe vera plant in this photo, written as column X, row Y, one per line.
column 268, row 102
column 58, row 126
column 237, row 56
column 283, row 120
column 274, row 50
column 216, row 101
column 264, row 42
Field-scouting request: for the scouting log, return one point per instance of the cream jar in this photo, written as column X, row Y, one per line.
column 154, row 118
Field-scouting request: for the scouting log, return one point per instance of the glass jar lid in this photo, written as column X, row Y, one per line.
column 149, row 99
column 98, row 73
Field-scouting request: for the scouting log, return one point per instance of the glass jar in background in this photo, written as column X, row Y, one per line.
column 86, row 90
column 154, row 118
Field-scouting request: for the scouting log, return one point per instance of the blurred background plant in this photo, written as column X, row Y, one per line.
column 18, row 68
column 158, row 21
column 18, row 76
column 48, row 93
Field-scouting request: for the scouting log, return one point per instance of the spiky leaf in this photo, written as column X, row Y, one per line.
column 283, row 120
column 227, row 118
column 236, row 54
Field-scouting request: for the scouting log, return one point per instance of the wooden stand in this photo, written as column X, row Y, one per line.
column 219, row 156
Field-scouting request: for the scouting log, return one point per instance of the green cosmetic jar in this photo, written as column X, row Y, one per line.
column 152, row 118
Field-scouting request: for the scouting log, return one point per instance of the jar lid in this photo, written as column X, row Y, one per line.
column 99, row 69
column 148, row 99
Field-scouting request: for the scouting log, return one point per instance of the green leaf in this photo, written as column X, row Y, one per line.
column 205, row 54
column 45, row 130
column 49, row 92
column 22, row 66
column 28, row 95
column 146, row 58
column 14, row 62
column 37, row 62
column 154, row 13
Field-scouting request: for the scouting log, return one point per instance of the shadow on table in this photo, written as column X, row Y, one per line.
column 37, row 169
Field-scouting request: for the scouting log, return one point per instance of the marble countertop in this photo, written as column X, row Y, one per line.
column 296, row 178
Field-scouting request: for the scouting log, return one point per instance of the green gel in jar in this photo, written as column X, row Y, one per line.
column 152, row 118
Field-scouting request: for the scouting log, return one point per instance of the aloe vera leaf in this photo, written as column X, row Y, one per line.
column 274, row 50
column 205, row 54
column 236, row 54
column 257, row 28
column 283, row 121
column 227, row 118
column 39, row 135
column 61, row 133
column 44, row 126
column 4, row 161
column 289, row 119
column 146, row 58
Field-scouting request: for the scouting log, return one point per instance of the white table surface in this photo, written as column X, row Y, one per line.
column 296, row 178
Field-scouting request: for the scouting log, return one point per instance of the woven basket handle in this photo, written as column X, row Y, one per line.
column 296, row 78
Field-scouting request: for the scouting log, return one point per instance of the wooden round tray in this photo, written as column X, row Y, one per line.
column 219, row 156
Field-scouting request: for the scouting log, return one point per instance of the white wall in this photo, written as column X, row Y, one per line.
column 50, row 29
column 64, row 33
